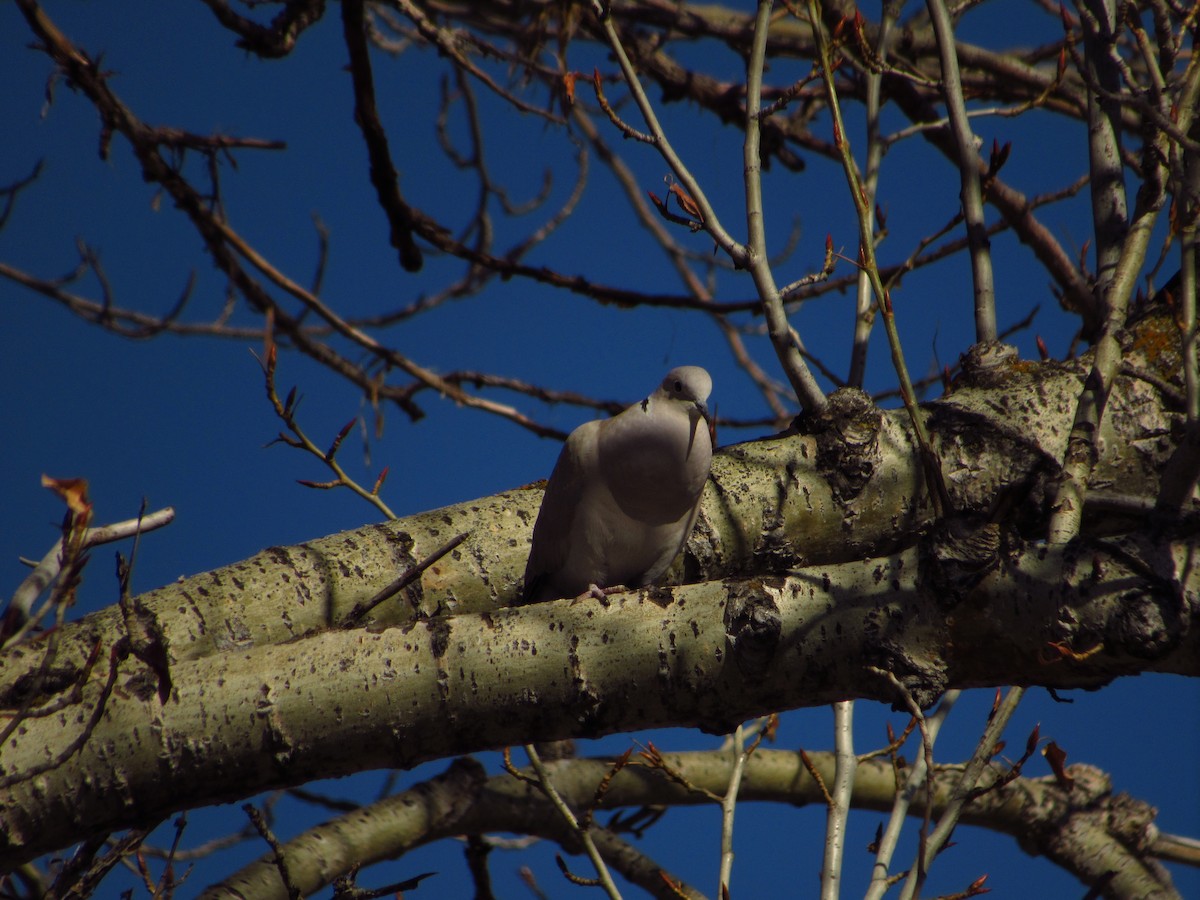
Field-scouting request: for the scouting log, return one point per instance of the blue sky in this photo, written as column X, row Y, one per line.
column 183, row 422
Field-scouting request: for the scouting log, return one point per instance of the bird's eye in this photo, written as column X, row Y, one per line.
column 679, row 387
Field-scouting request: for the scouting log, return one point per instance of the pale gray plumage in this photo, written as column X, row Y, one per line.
column 624, row 494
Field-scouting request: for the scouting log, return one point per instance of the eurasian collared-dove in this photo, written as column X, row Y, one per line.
column 624, row 494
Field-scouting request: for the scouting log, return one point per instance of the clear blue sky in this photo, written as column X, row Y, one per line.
column 184, row 422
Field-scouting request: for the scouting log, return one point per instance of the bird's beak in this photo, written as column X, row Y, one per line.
column 701, row 407
column 709, row 421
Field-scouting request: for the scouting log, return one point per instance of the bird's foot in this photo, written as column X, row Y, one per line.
column 596, row 592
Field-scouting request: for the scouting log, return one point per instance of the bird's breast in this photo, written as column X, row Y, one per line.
column 656, row 474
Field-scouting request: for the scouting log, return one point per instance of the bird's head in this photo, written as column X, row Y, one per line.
column 688, row 384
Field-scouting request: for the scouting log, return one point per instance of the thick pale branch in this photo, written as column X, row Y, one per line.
column 1080, row 828
column 708, row 655
column 848, row 488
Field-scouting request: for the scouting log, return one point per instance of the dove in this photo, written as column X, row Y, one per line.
column 624, row 494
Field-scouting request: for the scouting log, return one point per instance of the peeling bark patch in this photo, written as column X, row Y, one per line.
column 660, row 597
column 439, row 636
column 279, row 556
column 664, row 668
column 276, row 739
column 443, row 684
column 574, row 665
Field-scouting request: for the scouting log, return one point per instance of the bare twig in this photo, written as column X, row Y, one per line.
column 360, row 610
column 547, row 787
column 936, row 485
column 383, row 173
column 968, row 168
column 756, row 258
column 709, row 215
column 10, row 192
column 51, row 564
column 864, row 315
column 280, row 38
column 879, row 879
column 838, row 812
column 450, row 42
column 81, row 875
column 281, row 863
column 286, row 411
column 963, row 790
column 737, row 747
column 1109, row 208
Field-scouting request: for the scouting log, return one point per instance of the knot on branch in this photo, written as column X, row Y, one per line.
column 956, row 554
column 1131, row 821
column 1151, row 612
column 455, row 792
column 847, row 435
column 1148, row 624
column 988, row 364
column 753, row 625
column 1110, row 829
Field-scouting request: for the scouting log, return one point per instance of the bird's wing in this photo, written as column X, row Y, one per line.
column 552, row 533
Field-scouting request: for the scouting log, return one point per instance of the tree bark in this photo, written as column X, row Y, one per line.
column 1096, row 834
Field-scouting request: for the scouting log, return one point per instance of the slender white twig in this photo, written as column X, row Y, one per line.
column 51, row 564
column 729, row 806
column 794, row 367
column 968, row 168
column 838, row 813
column 864, row 317
column 711, row 222
column 961, row 793
column 917, row 773
column 1002, row 112
column 752, row 256
column 1085, row 431
column 589, row 846
column 1186, row 302
column 1110, row 213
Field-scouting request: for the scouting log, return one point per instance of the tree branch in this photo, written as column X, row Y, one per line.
column 1082, row 829
column 708, row 655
